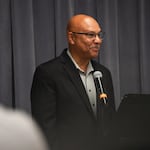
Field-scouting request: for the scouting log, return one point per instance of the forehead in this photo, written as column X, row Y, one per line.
column 90, row 25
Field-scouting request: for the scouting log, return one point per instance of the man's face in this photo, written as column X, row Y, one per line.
column 87, row 41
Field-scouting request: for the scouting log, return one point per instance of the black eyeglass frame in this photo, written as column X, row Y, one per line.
column 92, row 34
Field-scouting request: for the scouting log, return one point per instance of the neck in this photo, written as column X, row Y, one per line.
column 82, row 62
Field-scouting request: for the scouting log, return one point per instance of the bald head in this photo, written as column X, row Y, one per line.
column 81, row 21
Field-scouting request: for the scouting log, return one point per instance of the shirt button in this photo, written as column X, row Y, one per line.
column 89, row 90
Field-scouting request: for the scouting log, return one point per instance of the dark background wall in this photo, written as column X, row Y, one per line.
column 33, row 31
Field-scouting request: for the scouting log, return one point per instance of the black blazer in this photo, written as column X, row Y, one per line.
column 61, row 106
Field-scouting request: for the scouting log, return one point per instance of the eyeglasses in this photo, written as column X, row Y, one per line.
column 92, row 35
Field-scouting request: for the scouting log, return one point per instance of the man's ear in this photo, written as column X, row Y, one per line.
column 71, row 38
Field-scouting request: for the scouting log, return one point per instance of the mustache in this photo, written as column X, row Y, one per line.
column 95, row 46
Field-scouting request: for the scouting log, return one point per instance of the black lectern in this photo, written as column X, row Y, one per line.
column 133, row 122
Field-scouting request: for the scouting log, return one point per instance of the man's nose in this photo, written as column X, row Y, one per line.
column 98, row 39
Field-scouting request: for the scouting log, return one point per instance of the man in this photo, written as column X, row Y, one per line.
column 65, row 101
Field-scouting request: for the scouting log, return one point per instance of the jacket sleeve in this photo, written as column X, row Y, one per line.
column 43, row 103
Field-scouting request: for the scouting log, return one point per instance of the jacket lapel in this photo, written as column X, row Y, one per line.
column 76, row 80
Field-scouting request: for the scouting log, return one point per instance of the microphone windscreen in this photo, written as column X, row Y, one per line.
column 97, row 74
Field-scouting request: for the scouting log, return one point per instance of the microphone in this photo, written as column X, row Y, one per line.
column 97, row 76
